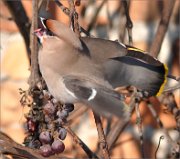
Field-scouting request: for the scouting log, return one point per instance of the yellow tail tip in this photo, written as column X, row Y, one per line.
column 165, row 81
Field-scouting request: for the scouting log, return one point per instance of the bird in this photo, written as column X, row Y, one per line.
column 86, row 69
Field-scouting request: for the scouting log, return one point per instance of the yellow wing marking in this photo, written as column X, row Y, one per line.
column 165, row 81
column 135, row 49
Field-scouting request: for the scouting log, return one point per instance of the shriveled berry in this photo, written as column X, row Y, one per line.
column 34, row 144
column 27, row 140
column 58, row 146
column 62, row 114
column 47, row 95
column 55, row 101
column 45, row 137
column 49, row 109
column 69, row 107
column 48, row 119
column 62, row 133
column 77, row 2
column 31, row 125
column 50, row 126
column 46, row 150
column 59, row 121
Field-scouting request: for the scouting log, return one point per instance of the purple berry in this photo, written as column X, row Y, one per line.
column 58, row 146
column 62, row 133
column 69, row 107
column 49, row 109
column 46, row 150
column 45, row 137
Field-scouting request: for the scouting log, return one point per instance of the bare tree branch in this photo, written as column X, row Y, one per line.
column 102, row 139
column 10, row 147
column 168, row 6
column 122, row 23
column 139, row 125
column 91, row 24
column 78, row 141
column 173, row 88
column 121, row 125
column 22, row 21
column 161, row 138
column 129, row 24
column 67, row 12
column 74, row 17
column 34, row 79
column 168, row 100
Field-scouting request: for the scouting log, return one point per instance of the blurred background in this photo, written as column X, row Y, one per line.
column 145, row 16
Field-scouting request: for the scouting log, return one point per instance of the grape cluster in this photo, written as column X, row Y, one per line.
column 44, row 125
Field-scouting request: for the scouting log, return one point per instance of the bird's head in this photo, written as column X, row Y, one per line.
column 42, row 32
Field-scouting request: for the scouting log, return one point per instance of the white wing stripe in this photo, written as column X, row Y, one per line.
column 93, row 94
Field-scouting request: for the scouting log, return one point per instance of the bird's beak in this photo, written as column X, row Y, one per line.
column 37, row 32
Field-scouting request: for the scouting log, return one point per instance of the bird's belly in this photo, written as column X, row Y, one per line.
column 57, row 88
column 60, row 92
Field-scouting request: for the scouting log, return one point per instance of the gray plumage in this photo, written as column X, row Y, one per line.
column 65, row 55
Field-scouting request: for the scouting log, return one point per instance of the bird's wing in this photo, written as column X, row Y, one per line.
column 137, row 69
column 103, row 100
column 98, row 49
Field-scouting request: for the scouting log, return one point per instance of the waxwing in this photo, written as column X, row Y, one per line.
column 86, row 69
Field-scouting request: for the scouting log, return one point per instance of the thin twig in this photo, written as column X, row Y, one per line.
column 115, row 132
column 153, row 112
column 78, row 141
column 170, row 140
column 161, row 138
column 168, row 100
column 34, row 79
column 102, row 139
column 174, row 78
column 47, row 5
column 129, row 24
column 122, row 23
column 168, row 6
column 67, row 12
column 108, row 126
column 77, row 113
column 121, row 125
column 171, row 89
column 139, row 124
column 109, row 25
column 73, row 15
column 91, row 24
column 62, row 7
